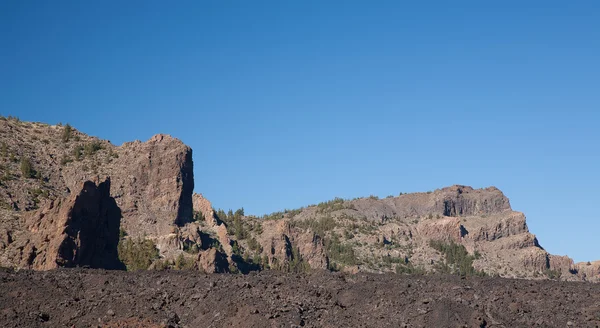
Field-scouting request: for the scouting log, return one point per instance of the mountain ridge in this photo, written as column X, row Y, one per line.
column 151, row 183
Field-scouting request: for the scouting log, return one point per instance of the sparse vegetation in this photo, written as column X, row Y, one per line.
column 26, row 168
column 234, row 222
column 137, row 254
column 112, row 154
column 457, row 260
column 297, row 263
column 254, row 245
column 552, row 274
column 319, row 226
column 338, row 252
column 5, row 205
column 67, row 131
column 408, row 268
column 38, row 192
column 282, row 214
column 65, row 160
column 191, row 248
column 77, row 152
column 183, row 263
column 198, row 216
column 238, row 226
column 4, row 149
column 92, row 147
column 333, row 205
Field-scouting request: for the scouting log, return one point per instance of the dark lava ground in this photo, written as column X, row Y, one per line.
column 97, row 298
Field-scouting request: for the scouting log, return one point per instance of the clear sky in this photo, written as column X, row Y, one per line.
column 289, row 103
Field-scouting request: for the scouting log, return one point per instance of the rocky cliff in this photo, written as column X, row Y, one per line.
column 68, row 199
column 42, row 170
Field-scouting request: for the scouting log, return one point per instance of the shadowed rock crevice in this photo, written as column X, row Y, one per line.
column 185, row 211
column 81, row 230
column 92, row 229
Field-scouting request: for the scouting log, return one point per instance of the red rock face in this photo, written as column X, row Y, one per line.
column 212, row 261
column 447, row 229
column 562, row 264
column 82, row 230
column 153, row 185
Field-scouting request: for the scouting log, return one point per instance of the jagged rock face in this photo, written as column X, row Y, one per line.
column 452, row 201
column 152, row 182
column 204, row 206
column 82, row 230
column 589, row 270
column 493, row 228
column 213, row 261
column 279, row 239
column 562, row 264
column 446, row 229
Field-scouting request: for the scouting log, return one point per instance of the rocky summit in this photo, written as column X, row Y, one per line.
column 71, row 200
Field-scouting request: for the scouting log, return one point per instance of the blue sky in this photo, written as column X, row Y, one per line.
column 291, row 103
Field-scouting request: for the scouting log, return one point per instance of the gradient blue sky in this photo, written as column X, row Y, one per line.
column 288, row 103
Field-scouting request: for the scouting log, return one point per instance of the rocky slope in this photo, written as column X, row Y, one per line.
column 399, row 233
column 68, row 199
column 44, row 167
column 97, row 298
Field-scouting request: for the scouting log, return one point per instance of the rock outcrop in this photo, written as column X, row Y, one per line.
column 151, row 183
column 590, row 271
column 53, row 215
column 213, row 261
column 81, row 230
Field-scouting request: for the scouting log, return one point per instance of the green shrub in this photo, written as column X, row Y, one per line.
column 137, row 254
column 65, row 160
column 282, row 214
column 457, row 260
column 40, row 192
column 161, row 265
column 191, row 248
column 339, row 252
column 183, row 263
column 238, row 226
column 5, row 205
column 4, row 150
column 257, row 228
column 77, row 152
column 26, row 168
column 254, row 245
column 319, row 226
column 235, row 248
column 198, row 216
column 297, row 263
column 408, row 268
column 67, row 131
column 335, row 204
column 552, row 274
column 92, row 147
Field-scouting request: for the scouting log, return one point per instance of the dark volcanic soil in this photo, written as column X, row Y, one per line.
column 96, row 298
